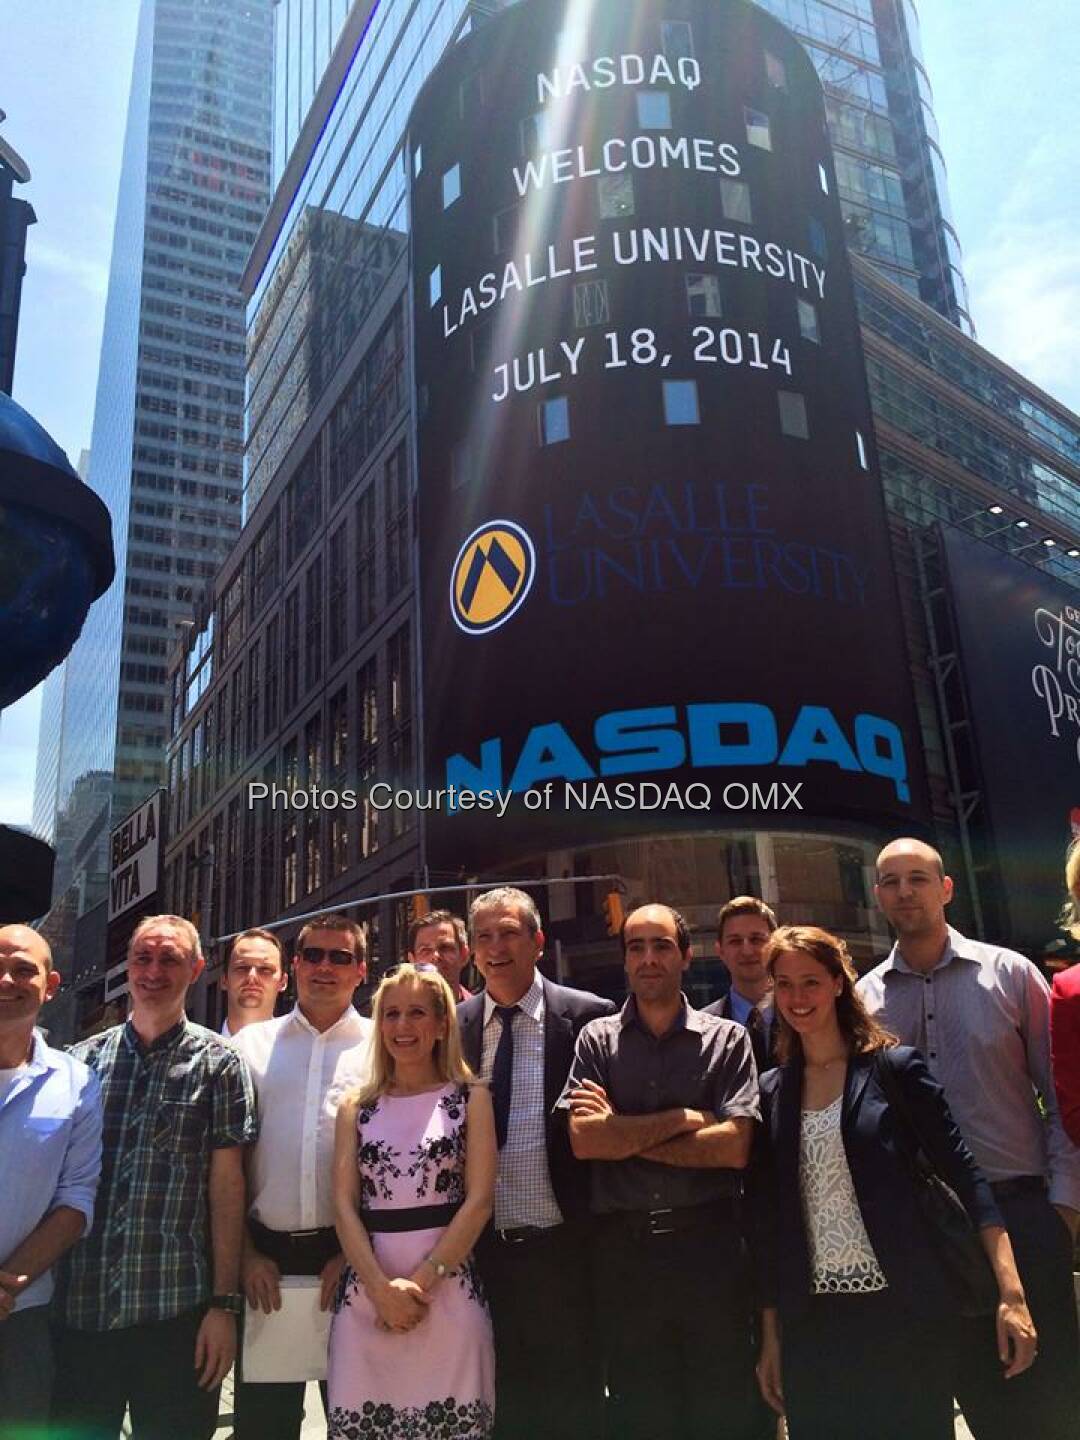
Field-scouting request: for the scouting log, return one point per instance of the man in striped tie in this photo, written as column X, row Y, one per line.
column 519, row 1036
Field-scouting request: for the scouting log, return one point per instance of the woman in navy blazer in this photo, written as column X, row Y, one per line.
column 855, row 1306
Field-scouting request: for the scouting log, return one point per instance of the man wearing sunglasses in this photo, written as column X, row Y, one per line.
column 301, row 1064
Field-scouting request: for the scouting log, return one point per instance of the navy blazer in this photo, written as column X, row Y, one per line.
column 879, row 1172
column 722, row 1007
column 566, row 1012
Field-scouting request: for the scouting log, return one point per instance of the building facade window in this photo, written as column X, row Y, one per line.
column 554, row 420
column 654, row 109
column 399, row 722
column 681, row 405
column 451, row 186
column 366, row 589
column 367, row 758
column 703, row 296
column 758, row 132
column 793, row 418
column 396, row 510
column 337, row 596
column 290, row 656
column 271, row 678
column 313, row 624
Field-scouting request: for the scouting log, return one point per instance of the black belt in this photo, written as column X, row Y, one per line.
column 644, row 1224
column 527, row 1234
column 1018, row 1185
column 412, row 1217
column 296, row 1252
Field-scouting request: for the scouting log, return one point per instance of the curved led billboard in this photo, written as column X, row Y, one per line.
column 1019, row 645
column 653, row 546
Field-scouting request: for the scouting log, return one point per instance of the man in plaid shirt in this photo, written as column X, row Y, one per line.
column 150, row 1298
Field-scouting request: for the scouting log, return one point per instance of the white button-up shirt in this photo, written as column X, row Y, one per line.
column 300, row 1077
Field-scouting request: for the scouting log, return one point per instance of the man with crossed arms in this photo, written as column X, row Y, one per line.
column 663, row 1099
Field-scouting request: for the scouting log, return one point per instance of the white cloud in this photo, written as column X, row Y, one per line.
column 75, row 269
column 1024, row 275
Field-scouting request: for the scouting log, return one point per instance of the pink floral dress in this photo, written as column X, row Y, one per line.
column 438, row 1380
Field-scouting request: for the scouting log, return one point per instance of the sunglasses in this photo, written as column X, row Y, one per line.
column 315, row 955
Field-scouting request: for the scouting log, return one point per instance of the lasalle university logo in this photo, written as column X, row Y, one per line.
column 491, row 577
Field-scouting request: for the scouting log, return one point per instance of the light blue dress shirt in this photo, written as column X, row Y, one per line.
column 50, row 1144
column 741, row 1007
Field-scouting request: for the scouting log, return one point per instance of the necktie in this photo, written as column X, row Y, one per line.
column 755, row 1023
column 502, row 1072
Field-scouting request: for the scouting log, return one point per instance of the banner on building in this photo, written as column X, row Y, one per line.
column 134, row 857
column 653, row 544
column 1019, row 637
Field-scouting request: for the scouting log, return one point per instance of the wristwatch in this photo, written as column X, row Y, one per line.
column 440, row 1269
column 233, row 1304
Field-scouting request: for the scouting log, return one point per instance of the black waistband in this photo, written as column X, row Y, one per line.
column 413, row 1217
column 1018, row 1185
column 296, row 1252
column 645, row 1223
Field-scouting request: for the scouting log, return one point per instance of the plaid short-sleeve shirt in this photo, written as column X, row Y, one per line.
column 167, row 1106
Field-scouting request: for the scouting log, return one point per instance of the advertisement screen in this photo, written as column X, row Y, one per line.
column 1019, row 638
column 656, row 584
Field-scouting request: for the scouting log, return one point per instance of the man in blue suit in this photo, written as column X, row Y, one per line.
column 519, row 1036
column 743, row 927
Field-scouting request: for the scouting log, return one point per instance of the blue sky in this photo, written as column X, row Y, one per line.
column 1006, row 81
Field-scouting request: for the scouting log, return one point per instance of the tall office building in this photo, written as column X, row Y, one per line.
column 167, row 446
column 889, row 165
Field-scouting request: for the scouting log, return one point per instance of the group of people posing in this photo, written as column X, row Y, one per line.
column 536, row 1216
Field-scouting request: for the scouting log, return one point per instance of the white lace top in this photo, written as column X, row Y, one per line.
column 842, row 1260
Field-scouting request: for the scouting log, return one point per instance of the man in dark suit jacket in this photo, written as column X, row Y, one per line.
column 742, row 930
column 519, row 1035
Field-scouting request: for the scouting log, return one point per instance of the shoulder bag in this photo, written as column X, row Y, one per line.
column 954, row 1236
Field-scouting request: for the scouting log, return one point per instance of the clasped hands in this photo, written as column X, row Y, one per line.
column 400, row 1304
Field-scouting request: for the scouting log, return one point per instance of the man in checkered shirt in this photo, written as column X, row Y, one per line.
column 150, row 1298
column 519, row 1036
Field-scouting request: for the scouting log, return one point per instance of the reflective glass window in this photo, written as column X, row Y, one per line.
column 654, row 109
column 554, row 417
column 735, row 201
column 703, row 296
column 757, row 128
column 681, row 402
column 451, row 186
column 808, row 321
column 616, row 194
column 793, row 419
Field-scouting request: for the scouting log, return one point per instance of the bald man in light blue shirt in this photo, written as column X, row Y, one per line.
column 50, row 1140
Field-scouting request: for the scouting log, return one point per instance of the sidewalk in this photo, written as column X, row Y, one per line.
column 314, row 1419
column 315, row 1424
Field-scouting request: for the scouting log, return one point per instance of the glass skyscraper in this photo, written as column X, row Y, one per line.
column 889, row 164
column 167, row 447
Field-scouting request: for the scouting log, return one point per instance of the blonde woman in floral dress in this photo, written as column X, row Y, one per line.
column 411, row 1354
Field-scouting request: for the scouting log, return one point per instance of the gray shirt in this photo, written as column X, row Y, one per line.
column 981, row 1017
column 702, row 1063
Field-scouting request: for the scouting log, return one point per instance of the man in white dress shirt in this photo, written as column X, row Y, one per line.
column 254, row 978
column 301, row 1064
